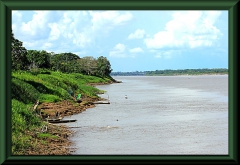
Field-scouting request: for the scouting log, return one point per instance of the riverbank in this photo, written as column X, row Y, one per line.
column 66, row 107
column 61, row 146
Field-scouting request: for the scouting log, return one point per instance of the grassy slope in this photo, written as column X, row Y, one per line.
column 45, row 86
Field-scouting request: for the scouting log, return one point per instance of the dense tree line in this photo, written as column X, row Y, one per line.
column 188, row 71
column 136, row 73
column 169, row 72
column 23, row 59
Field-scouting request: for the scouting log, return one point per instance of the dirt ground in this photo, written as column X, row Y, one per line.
column 54, row 146
column 65, row 107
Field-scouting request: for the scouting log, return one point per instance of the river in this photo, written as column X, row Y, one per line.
column 162, row 115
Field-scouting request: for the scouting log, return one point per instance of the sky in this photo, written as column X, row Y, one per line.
column 137, row 40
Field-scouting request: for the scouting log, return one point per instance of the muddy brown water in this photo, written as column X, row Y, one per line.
column 162, row 115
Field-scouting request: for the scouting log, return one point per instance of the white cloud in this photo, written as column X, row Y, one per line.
column 81, row 39
column 37, row 27
column 192, row 29
column 118, row 51
column 136, row 50
column 80, row 28
column 161, row 39
column 55, row 31
column 137, row 34
column 122, row 18
column 106, row 20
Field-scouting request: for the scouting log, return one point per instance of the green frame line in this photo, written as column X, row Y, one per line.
column 6, row 6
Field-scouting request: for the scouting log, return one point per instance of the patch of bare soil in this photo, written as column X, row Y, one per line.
column 65, row 107
column 50, row 145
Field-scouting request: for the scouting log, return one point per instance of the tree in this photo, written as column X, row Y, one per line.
column 81, row 66
column 19, row 55
column 104, row 66
column 65, row 62
column 55, row 61
column 38, row 59
column 89, row 65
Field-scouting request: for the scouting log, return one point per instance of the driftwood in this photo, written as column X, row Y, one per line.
column 54, row 119
column 101, row 102
column 35, row 105
column 61, row 121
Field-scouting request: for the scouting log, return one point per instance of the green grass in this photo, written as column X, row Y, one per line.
column 23, row 120
column 23, row 91
column 60, row 85
column 46, row 136
column 49, row 98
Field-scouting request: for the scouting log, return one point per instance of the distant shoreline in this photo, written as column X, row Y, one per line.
column 190, row 75
column 175, row 75
column 169, row 72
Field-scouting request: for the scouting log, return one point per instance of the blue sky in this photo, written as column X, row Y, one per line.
column 131, row 40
